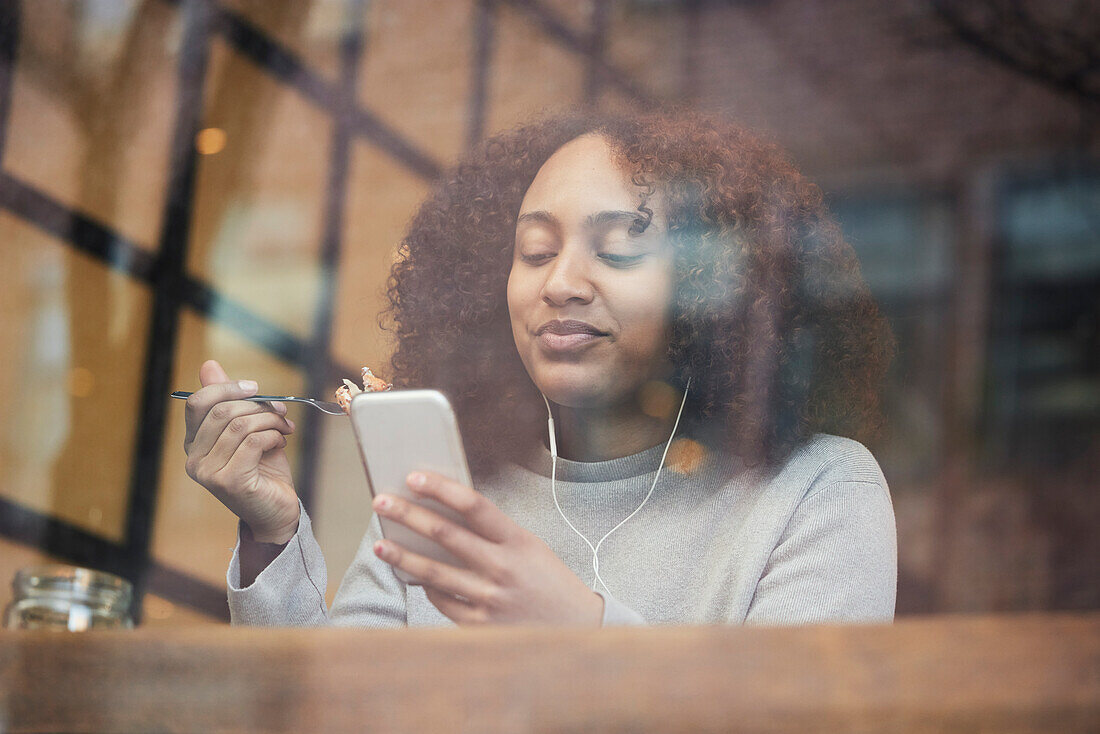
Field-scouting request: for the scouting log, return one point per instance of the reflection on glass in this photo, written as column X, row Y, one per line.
column 904, row 245
column 1044, row 399
column 381, row 199
column 73, row 337
column 259, row 201
column 159, row 612
column 424, row 95
column 192, row 531
column 1053, row 228
column 310, row 30
column 530, row 72
column 88, row 124
column 641, row 33
column 210, row 141
column 575, row 14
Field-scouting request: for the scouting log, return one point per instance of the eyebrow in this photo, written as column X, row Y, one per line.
column 592, row 221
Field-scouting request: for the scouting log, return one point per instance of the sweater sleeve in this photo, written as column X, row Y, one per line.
column 835, row 562
column 616, row 613
column 290, row 592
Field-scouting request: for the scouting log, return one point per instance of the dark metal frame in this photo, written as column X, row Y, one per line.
column 174, row 289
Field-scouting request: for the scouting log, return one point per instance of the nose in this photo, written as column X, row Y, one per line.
column 567, row 279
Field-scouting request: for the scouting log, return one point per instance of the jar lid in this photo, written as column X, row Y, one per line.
column 72, row 582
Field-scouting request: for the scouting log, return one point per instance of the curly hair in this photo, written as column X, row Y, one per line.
column 772, row 320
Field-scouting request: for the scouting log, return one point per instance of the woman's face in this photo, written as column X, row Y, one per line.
column 589, row 300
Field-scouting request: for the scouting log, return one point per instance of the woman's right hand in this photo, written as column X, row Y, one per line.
column 235, row 449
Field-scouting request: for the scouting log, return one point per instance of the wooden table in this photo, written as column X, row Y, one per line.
column 997, row 674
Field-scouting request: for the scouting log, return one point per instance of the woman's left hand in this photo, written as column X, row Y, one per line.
column 512, row 576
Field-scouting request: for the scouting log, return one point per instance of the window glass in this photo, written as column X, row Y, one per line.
column 1044, row 388
column 73, row 338
column 904, row 244
column 310, row 30
column 88, row 125
column 1051, row 230
column 646, row 43
column 416, row 71
column 159, row 612
column 381, row 199
column 260, row 193
column 530, row 72
column 576, row 15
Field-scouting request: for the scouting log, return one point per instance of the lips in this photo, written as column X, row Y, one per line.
column 568, row 336
column 567, row 327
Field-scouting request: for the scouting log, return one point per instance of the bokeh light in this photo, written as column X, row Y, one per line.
column 80, row 382
column 686, row 456
column 210, row 140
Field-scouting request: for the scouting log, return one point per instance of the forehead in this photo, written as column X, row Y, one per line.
column 583, row 175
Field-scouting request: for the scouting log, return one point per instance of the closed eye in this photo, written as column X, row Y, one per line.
column 620, row 260
column 536, row 258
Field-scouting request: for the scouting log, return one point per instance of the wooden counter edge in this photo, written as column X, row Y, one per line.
column 1008, row 673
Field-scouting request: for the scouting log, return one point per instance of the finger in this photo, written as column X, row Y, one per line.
column 220, row 417
column 239, row 431
column 248, row 454
column 203, row 400
column 473, row 549
column 455, row 609
column 442, row 576
column 482, row 516
column 211, row 372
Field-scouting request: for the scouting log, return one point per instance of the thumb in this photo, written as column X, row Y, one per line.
column 211, row 373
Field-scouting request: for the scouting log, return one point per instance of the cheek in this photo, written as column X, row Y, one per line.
column 649, row 329
column 511, row 294
column 646, row 315
column 517, row 301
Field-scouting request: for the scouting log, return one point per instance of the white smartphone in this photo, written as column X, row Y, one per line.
column 401, row 431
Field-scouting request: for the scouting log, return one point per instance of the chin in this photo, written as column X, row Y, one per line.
column 573, row 388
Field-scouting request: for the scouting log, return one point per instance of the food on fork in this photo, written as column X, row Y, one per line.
column 349, row 389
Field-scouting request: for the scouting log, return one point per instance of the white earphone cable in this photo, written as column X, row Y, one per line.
column 553, row 490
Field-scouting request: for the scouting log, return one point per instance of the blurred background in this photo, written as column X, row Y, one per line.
column 187, row 179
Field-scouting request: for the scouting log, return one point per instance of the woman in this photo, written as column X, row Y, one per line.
column 643, row 280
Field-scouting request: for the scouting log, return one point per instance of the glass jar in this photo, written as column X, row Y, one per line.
column 68, row 598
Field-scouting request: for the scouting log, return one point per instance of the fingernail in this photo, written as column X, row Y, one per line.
column 382, row 503
column 279, row 408
column 248, row 385
column 290, row 423
column 417, row 480
column 380, row 549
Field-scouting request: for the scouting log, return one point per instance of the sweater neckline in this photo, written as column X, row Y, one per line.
column 643, row 462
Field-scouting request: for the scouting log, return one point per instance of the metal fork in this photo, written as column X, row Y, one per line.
column 321, row 405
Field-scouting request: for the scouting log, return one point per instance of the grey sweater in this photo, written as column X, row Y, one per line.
column 811, row 541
